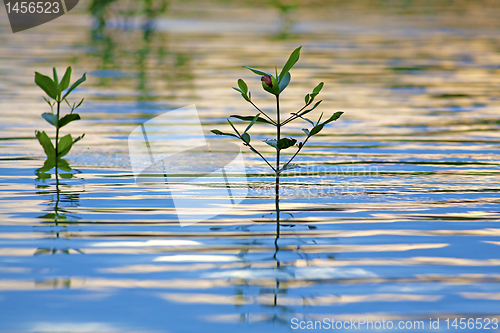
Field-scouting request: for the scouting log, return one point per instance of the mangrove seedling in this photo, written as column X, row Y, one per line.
column 58, row 92
column 275, row 84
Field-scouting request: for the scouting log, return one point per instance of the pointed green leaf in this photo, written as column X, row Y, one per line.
column 76, row 84
column 217, row 132
column 243, row 86
column 238, row 90
column 80, row 103
column 292, row 60
column 335, row 116
column 47, row 85
column 245, row 137
column 306, row 98
column 318, row 88
column 68, row 118
column 285, row 143
column 50, row 117
column 256, row 71
column 65, row 80
column 54, row 73
column 47, row 145
column 64, row 145
column 250, row 118
column 283, row 82
column 230, row 123
column 316, row 129
column 251, row 123
column 79, row 138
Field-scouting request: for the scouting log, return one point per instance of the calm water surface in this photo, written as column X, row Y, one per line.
column 394, row 213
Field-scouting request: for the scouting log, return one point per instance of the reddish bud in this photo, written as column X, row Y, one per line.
column 267, row 80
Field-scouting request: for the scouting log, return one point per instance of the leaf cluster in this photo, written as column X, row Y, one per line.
column 57, row 93
column 275, row 84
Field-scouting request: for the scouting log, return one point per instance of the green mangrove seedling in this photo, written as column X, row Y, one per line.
column 58, row 92
column 275, row 84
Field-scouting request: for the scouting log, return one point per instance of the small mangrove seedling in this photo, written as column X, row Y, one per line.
column 58, row 92
column 275, row 84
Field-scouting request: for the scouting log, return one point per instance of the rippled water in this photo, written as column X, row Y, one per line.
column 393, row 215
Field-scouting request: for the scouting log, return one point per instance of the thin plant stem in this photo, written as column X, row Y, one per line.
column 294, row 116
column 255, row 151
column 277, row 172
column 57, row 132
column 265, row 114
column 56, row 208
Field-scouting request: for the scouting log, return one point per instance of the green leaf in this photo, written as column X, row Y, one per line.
column 244, row 95
column 245, row 137
column 51, row 118
column 283, row 82
column 80, row 103
column 283, row 143
column 305, row 130
column 54, row 73
column 306, row 98
column 254, row 120
column 258, row 72
column 335, row 116
column 217, row 132
column 65, row 80
column 292, row 60
column 250, row 118
column 230, row 123
column 68, row 118
column 286, row 143
column 47, row 85
column 76, row 84
column 318, row 88
column 47, row 145
column 316, row 129
column 243, row 86
column 64, row 145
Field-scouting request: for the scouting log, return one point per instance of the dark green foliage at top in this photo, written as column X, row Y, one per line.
column 58, row 92
column 275, row 84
